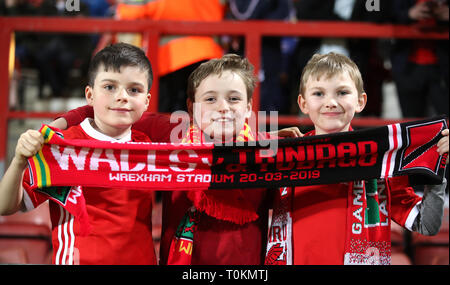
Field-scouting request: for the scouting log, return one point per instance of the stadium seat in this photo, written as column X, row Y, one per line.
column 25, row 238
column 398, row 255
column 16, row 255
column 400, row 258
column 432, row 250
column 397, row 238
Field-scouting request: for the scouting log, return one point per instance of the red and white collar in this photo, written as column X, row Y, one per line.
column 93, row 133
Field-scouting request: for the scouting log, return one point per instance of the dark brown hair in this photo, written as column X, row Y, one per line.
column 118, row 55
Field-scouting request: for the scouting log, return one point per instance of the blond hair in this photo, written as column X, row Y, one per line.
column 231, row 62
column 329, row 65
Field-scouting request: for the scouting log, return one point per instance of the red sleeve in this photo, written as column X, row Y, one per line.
column 403, row 199
column 138, row 136
column 76, row 116
column 156, row 126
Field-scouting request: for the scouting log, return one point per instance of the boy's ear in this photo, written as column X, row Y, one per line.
column 362, row 100
column 302, row 104
column 89, row 94
column 248, row 112
column 149, row 96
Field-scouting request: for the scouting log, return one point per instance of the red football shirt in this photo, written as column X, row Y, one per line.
column 219, row 242
column 319, row 219
column 120, row 219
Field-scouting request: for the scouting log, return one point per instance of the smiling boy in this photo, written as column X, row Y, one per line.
column 118, row 98
column 230, row 226
column 331, row 93
column 331, row 101
column 219, row 102
column 120, row 77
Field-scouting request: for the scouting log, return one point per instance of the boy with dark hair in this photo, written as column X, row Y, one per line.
column 120, row 77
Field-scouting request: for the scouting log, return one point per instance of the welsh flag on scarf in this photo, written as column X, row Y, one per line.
column 180, row 252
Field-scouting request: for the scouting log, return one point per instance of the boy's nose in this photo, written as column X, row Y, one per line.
column 223, row 106
column 122, row 94
column 331, row 102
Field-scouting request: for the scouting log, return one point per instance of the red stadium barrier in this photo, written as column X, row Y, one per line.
column 252, row 31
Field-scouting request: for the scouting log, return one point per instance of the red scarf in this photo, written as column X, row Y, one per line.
column 368, row 235
column 394, row 150
column 69, row 197
column 221, row 204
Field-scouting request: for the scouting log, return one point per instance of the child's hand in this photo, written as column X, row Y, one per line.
column 28, row 145
column 420, row 11
column 291, row 132
column 442, row 145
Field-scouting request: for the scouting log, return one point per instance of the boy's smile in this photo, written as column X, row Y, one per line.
column 331, row 103
column 221, row 106
column 118, row 99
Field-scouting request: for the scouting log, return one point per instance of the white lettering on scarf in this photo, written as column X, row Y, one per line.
column 69, row 152
column 358, row 191
column 94, row 158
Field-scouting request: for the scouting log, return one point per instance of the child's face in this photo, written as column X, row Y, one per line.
column 331, row 103
column 118, row 99
column 221, row 106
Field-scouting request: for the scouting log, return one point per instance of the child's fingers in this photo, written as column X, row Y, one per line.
column 32, row 146
column 29, row 143
column 443, row 140
column 291, row 132
column 35, row 136
column 25, row 149
column 442, row 145
column 297, row 132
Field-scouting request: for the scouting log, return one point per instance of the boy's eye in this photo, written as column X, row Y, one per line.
column 109, row 87
column 317, row 93
column 210, row 99
column 343, row 92
column 135, row 90
column 234, row 99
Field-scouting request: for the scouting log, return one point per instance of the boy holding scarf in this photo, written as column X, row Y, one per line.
column 233, row 224
column 345, row 223
column 120, row 77
column 217, row 226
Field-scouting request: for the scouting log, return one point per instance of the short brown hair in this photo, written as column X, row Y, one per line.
column 232, row 62
column 329, row 65
column 118, row 55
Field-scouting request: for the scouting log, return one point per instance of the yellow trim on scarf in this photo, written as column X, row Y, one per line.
column 41, row 165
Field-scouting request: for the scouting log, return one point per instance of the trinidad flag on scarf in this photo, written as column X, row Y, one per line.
column 412, row 149
column 394, row 150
